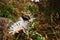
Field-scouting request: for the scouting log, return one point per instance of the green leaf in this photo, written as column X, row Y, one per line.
column 39, row 38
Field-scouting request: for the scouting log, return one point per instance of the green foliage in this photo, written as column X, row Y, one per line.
column 49, row 11
column 7, row 12
column 32, row 9
column 42, row 8
column 36, row 35
column 33, row 25
column 33, row 33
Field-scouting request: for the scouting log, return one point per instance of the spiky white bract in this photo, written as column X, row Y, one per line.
column 16, row 27
column 20, row 25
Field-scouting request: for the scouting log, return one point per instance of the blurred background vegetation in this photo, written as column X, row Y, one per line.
column 47, row 14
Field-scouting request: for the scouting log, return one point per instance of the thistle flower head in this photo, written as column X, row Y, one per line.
column 21, row 24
